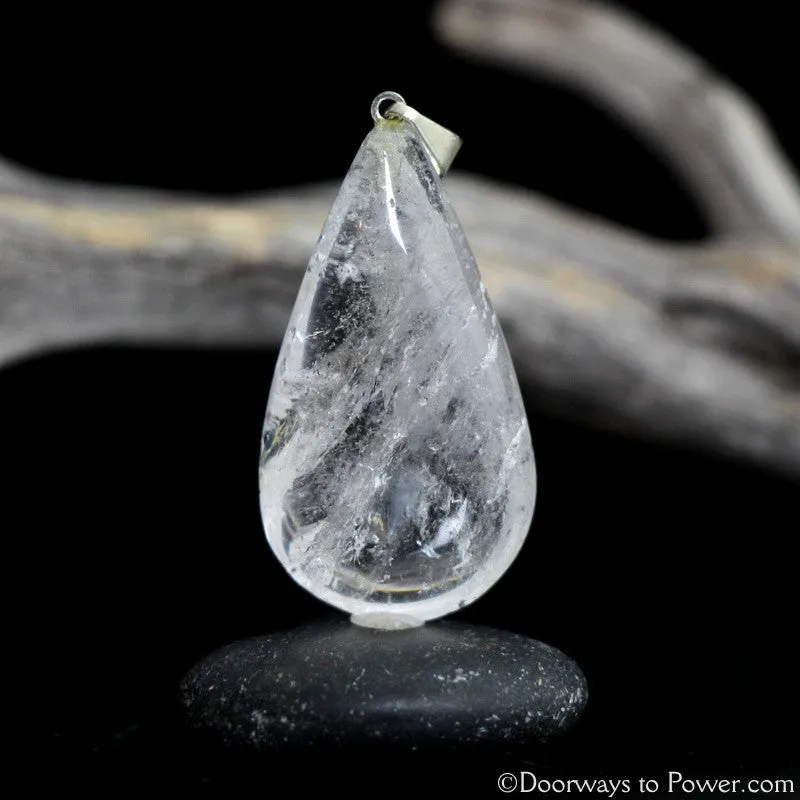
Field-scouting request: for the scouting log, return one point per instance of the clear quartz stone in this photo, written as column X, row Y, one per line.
column 397, row 474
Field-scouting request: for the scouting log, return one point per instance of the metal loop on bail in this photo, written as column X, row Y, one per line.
column 383, row 97
column 441, row 144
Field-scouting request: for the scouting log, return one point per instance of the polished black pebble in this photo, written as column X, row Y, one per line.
column 337, row 684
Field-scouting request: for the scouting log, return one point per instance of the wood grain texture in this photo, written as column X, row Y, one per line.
column 695, row 344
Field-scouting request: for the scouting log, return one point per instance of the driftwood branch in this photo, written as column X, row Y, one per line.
column 696, row 344
column 709, row 131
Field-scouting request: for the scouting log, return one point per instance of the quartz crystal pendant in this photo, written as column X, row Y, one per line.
column 397, row 476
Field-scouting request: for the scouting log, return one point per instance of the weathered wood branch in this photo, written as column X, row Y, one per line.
column 706, row 127
column 695, row 344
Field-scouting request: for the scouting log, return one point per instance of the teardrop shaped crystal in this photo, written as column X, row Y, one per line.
column 397, row 474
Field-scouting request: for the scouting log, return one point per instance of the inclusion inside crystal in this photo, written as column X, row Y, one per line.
column 397, row 474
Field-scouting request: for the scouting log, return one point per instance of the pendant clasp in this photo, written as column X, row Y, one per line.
column 442, row 144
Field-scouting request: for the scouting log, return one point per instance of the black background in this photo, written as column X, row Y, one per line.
column 129, row 496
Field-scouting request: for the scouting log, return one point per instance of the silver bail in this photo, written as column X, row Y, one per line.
column 442, row 144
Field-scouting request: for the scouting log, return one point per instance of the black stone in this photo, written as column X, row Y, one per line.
column 337, row 684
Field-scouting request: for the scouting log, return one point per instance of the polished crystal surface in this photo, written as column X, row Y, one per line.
column 397, row 474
